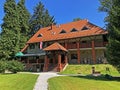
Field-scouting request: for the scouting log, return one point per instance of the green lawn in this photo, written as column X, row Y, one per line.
column 82, row 83
column 17, row 81
column 86, row 69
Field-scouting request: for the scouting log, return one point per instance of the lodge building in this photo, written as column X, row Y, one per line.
column 53, row 47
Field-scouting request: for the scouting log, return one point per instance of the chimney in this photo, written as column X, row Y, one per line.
column 51, row 26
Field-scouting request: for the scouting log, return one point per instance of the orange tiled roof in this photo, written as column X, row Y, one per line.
column 55, row 46
column 49, row 34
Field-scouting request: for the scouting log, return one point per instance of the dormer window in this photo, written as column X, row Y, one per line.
column 85, row 28
column 39, row 35
column 74, row 30
column 63, row 31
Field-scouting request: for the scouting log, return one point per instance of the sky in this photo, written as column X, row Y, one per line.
column 65, row 11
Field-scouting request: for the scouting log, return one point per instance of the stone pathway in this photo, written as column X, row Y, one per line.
column 41, row 83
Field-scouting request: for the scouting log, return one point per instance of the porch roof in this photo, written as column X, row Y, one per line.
column 36, row 54
column 55, row 46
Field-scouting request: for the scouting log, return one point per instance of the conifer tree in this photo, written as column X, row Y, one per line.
column 112, row 8
column 24, row 17
column 15, row 28
column 40, row 18
column 10, row 30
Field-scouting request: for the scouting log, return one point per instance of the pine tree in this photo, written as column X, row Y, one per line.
column 40, row 18
column 112, row 8
column 10, row 30
column 24, row 17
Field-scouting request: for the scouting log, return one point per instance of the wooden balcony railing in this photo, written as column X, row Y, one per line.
column 71, row 46
column 86, row 45
column 100, row 44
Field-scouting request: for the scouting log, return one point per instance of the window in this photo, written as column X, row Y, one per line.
column 85, row 28
column 32, row 46
column 63, row 31
column 73, row 56
column 74, row 30
column 39, row 35
column 105, row 38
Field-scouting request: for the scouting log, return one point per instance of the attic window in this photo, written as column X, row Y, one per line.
column 63, row 31
column 85, row 28
column 39, row 35
column 74, row 30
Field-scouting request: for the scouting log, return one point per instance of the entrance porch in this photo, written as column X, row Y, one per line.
column 56, row 54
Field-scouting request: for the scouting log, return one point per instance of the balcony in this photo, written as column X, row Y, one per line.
column 101, row 44
column 86, row 45
column 71, row 46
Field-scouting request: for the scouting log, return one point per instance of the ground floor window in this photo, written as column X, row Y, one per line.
column 73, row 56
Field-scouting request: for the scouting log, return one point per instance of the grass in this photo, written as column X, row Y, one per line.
column 86, row 69
column 17, row 81
column 82, row 83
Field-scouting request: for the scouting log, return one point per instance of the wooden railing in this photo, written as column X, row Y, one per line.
column 100, row 44
column 71, row 46
column 86, row 45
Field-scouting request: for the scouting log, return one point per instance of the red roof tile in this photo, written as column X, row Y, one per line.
column 49, row 34
column 55, row 46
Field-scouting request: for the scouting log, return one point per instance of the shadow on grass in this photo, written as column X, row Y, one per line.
column 7, row 73
column 100, row 78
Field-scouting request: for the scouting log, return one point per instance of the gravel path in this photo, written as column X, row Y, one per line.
column 41, row 83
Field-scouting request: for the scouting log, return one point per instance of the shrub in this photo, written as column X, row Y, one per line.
column 15, row 66
column 3, row 66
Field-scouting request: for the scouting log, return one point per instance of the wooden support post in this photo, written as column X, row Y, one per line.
column 66, row 59
column 65, row 44
column 59, row 62
column 78, row 52
column 46, row 64
column 54, row 59
column 93, row 52
column 37, row 61
column 28, row 61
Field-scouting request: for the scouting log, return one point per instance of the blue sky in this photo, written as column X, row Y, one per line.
column 65, row 11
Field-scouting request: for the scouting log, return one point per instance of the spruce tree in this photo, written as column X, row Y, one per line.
column 40, row 18
column 10, row 30
column 15, row 28
column 112, row 8
column 24, row 17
